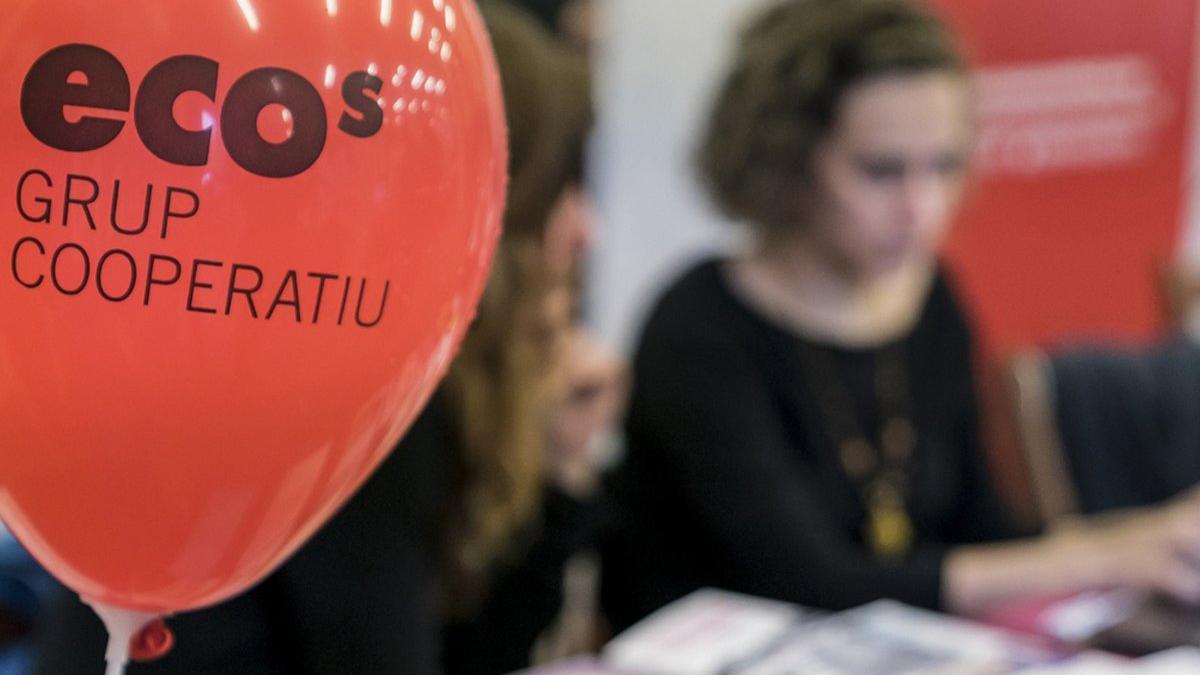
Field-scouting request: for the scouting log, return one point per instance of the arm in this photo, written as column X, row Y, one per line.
column 981, row 516
column 1154, row 549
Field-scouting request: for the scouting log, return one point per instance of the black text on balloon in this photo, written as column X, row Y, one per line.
column 92, row 79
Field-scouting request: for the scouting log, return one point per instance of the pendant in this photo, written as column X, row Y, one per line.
column 858, row 458
column 890, row 533
column 898, row 439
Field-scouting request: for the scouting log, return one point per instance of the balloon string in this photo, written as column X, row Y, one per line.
column 123, row 626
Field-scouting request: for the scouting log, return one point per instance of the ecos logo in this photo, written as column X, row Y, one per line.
column 52, row 84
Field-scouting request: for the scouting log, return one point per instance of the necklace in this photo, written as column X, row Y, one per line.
column 879, row 471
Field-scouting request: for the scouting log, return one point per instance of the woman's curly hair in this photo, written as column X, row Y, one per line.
column 793, row 66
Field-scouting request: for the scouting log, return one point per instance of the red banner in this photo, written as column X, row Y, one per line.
column 1084, row 109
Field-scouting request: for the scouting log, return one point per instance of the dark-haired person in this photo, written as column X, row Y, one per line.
column 450, row 558
column 803, row 420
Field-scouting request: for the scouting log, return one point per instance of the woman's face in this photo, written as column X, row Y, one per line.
column 569, row 231
column 890, row 174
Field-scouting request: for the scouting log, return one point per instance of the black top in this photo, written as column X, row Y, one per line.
column 731, row 479
column 363, row 595
column 524, row 599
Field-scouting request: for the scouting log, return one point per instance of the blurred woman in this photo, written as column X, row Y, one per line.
column 531, row 393
column 803, row 423
column 450, row 558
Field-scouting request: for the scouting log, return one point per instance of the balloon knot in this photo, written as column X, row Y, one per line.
column 152, row 642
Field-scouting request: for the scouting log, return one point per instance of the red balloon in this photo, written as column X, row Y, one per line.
column 241, row 244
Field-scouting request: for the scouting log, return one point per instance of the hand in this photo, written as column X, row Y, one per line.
column 591, row 399
column 1154, row 549
column 1150, row 549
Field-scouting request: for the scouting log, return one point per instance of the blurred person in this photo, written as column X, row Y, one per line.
column 450, row 557
column 522, row 455
column 803, row 421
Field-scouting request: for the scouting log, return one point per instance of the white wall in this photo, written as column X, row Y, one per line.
column 657, row 74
